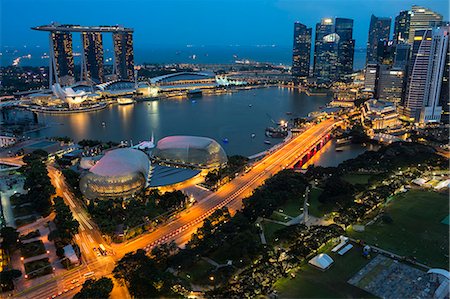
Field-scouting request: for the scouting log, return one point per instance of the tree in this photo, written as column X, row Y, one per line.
column 67, row 225
column 143, row 276
column 336, row 190
column 100, row 288
column 6, row 279
column 10, row 238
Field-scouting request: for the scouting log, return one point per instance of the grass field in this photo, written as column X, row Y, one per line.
column 332, row 283
column 199, row 273
column 292, row 207
column 269, row 229
column 316, row 208
column 354, row 179
column 416, row 230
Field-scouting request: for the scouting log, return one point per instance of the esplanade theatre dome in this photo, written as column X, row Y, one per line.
column 120, row 172
column 190, row 151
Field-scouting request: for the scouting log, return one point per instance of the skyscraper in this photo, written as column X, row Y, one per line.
column 325, row 51
column 63, row 66
column 401, row 27
column 401, row 55
column 301, row 50
column 93, row 56
column 333, row 49
column 426, row 74
column 391, row 84
column 444, row 100
column 379, row 31
column 371, row 78
column 123, row 55
column 422, row 18
column 346, row 47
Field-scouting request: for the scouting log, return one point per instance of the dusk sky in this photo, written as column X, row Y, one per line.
column 197, row 22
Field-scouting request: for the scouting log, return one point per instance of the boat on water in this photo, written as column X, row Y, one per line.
column 267, row 142
column 225, row 140
column 276, row 132
column 103, row 124
column 253, row 135
column 125, row 101
column 250, row 105
column 289, row 113
column 344, row 141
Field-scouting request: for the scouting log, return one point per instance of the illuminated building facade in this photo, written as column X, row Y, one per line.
column 426, row 73
column 346, row 47
column 421, row 19
column 401, row 27
column 371, row 78
column 93, row 56
column 334, row 48
column 391, row 84
column 401, row 56
column 124, row 56
column 325, row 51
column 378, row 31
column 61, row 70
column 301, row 50
column 62, row 66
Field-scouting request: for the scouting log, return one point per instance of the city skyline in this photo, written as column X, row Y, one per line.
column 230, row 26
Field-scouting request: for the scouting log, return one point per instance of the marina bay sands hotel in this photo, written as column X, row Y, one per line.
column 61, row 68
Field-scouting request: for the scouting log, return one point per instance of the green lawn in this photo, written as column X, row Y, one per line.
column 269, row 229
column 32, row 249
column 354, row 178
column 277, row 216
column 316, row 208
column 199, row 273
column 416, row 229
column 292, row 207
column 38, row 268
column 332, row 283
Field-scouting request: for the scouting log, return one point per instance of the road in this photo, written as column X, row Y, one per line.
column 187, row 222
column 231, row 194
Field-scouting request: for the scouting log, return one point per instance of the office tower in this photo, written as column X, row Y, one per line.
column 385, row 52
column 391, row 84
column 422, row 18
column 333, row 49
column 426, row 73
column 379, row 31
column 92, row 67
column 346, row 47
column 301, row 50
column 325, row 51
column 123, row 55
column 401, row 27
column 371, row 78
column 401, row 56
column 444, row 100
column 62, row 68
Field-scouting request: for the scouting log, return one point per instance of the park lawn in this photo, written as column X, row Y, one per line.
column 270, row 228
column 316, row 208
column 279, row 217
column 354, row 178
column 199, row 273
column 32, row 249
column 416, row 230
column 292, row 207
column 38, row 268
column 332, row 283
